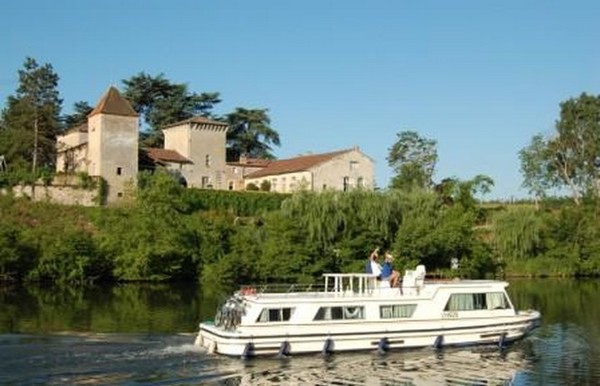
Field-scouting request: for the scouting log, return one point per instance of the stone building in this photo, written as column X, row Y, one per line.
column 106, row 146
column 202, row 143
column 339, row 170
column 194, row 149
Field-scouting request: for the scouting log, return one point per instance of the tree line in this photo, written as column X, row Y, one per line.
column 224, row 239
column 227, row 238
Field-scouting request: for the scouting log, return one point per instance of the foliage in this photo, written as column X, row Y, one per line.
column 571, row 158
column 30, row 122
column 413, row 159
column 161, row 102
column 81, row 110
column 265, row 186
column 250, row 134
column 517, row 233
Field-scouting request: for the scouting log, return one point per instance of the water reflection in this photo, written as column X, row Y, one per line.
column 475, row 366
column 130, row 334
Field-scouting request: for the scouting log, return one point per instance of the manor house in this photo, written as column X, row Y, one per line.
column 195, row 149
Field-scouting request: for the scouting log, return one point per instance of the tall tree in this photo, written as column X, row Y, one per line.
column 161, row 102
column 571, row 158
column 250, row 134
column 81, row 110
column 31, row 121
column 535, row 169
column 577, row 147
column 413, row 159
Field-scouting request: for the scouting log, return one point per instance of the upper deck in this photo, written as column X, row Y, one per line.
column 362, row 285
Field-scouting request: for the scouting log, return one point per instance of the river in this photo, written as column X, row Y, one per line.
column 140, row 334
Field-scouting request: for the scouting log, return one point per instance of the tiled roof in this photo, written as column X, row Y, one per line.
column 165, row 155
column 251, row 162
column 113, row 103
column 199, row 120
column 297, row 164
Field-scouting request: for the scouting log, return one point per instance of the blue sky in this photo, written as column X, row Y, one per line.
column 479, row 77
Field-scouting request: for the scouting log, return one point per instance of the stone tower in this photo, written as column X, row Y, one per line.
column 113, row 144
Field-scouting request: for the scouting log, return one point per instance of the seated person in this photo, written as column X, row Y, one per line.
column 388, row 272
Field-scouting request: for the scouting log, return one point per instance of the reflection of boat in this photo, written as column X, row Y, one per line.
column 357, row 312
column 424, row 367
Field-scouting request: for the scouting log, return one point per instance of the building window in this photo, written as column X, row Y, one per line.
column 360, row 182
column 353, row 165
column 207, row 160
column 274, row 185
column 283, row 184
column 230, row 185
column 346, row 184
column 120, row 194
column 119, row 171
column 205, row 182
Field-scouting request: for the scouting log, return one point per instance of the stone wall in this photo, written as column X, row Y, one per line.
column 58, row 194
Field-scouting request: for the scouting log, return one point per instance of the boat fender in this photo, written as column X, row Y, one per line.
column 248, row 351
column 502, row 340
column 439, row 341
column 212, row 347
column 383, row 346
column 328, row 346
column 284, row 349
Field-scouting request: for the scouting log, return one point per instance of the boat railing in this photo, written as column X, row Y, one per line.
column 280, row 288
column 342, row 284
column 356, row 283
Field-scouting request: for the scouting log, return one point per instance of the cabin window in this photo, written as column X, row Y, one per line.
column 340, row 313
column 275, row 315
column 397, row 311
column 479, row 301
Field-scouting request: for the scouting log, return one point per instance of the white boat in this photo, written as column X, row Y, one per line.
column 356, row 311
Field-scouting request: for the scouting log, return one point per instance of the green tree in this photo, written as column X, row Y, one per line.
column 537, row 176
column 81, row 110
column 161, row 102
column 577, row 147
column 571, row 158
column 250, row 134
column 31, row 121
column 413, row 159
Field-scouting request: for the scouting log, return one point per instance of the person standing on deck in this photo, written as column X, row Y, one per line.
column 373, row 266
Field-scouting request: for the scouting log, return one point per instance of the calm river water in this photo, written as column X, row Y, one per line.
column 144, row 334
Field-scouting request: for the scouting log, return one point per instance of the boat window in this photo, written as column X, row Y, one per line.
column 340, row 313
column 397, row 311
column 478, row 301
column 275, row 315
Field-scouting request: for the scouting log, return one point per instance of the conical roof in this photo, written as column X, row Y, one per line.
column 113, row 103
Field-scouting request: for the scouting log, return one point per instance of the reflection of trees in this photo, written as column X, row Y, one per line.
column 135, row 308
column 566, row 342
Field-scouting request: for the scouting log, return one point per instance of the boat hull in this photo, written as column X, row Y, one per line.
column 294, row 339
